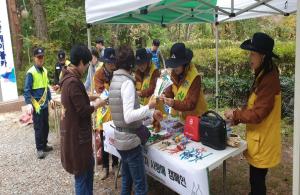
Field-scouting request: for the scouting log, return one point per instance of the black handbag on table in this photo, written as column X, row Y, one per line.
column 213, row 130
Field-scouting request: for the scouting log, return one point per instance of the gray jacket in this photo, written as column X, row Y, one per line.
column 125, row 137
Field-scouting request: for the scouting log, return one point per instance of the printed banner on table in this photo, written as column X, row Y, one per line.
column 8, row 83
column 166, row 168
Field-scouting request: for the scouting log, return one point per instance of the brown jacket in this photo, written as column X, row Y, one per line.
column 102, row 77
column 76, row 126
column 139, row 77
column 266, row 87
column 190, row 101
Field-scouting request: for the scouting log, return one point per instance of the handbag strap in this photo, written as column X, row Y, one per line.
column 126, row 130
column 215, row 114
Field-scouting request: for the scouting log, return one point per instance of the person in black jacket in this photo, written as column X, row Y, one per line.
column 61, row 63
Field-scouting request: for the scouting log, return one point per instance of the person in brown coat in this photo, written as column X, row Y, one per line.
column 76, row 127
column 102, row 81
column 262, row 114
column 146, row 75
column 185, row 96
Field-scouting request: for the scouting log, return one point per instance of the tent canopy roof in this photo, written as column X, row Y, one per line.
column 182, row 11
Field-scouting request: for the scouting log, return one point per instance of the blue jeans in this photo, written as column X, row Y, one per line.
column 133, row 171
column 84, row 182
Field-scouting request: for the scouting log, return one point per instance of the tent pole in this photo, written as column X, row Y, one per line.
column 296, row 152
column 249, row 8
column 217, row 65
column 89, row 35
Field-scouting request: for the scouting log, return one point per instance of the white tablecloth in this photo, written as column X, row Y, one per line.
column 180, row 175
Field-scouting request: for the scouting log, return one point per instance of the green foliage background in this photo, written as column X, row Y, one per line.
column 66, row 24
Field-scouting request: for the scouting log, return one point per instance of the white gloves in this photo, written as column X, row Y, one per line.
column 29, row 109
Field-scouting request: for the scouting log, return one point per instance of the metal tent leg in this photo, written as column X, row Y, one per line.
column 116, row 175
column 224, row 177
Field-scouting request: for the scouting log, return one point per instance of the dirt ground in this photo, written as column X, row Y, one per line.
column 22, row 173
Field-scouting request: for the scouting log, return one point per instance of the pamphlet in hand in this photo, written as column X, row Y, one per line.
column 162, row 83
column 104, row 95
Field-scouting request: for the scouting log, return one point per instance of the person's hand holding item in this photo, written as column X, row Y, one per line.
column 55, row 87
column 99, row 103
column 162, row 97
column 29, row 109
column 52, row 104
column 139, row 93
column 93, row 97
column 169, row 102
column 229, row 114
column 157, row 115
column 152, row 102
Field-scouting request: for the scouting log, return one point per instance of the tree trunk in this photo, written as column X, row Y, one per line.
column 39, row 18
column 188, row 28
column 212, row 27
column 114, row 35
column 179, row 29
column 15, row 28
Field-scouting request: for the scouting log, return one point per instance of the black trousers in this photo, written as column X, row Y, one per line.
column 258, row 180
column 105, row 155
column 41, row 128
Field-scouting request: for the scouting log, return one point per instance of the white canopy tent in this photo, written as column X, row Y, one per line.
column 137, row 11
column 226, row 9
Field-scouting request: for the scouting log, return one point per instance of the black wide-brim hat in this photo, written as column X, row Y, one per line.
column 108, row 60
column 109, row 56
column 261, row 43
column 179, row 55
column 142, row 56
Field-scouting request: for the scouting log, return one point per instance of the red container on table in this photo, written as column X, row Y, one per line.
column 191, row 128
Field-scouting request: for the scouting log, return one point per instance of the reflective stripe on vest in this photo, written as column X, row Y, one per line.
column 40, row 81
column 181, row 93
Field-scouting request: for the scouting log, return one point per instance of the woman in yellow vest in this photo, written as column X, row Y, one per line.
column 102, row 79
column 185, row 96
column 146, row 75
column 262, row 115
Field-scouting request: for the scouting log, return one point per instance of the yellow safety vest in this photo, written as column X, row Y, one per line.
column 145, row 84
column 264, row 139
column 181, row 92
column 103, row 113
column 40, row 81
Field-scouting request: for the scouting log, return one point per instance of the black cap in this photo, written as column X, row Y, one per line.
column 261, row 43
column 141, row 56
column 39, row 51
column 156, row 42
column 109, row 55
column 100, row 40
column 178, row 56
column 61, row 55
